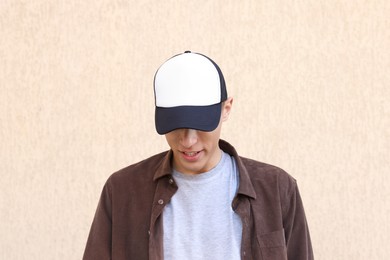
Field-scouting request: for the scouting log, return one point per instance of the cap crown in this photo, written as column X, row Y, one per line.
column 188, row 79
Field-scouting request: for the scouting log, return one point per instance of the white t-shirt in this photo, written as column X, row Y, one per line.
column 199, row 222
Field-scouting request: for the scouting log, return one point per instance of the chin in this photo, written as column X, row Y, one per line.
column 193, row 169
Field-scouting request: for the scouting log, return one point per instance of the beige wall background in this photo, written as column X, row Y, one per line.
column 311, row 86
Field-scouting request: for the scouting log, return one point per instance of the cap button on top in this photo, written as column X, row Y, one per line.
column 187, row 52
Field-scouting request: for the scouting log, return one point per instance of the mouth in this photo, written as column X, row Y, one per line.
column 191, row 155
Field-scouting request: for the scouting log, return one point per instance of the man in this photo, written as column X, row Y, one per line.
column 200, row 200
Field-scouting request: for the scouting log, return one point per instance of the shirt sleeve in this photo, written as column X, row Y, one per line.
column 98, row 245
column 297, row 235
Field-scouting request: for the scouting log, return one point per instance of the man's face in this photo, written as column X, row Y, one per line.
column 196, row 151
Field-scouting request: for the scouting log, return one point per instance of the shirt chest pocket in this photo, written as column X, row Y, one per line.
column 273, row 245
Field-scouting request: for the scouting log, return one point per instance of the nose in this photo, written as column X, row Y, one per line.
column 188, row 138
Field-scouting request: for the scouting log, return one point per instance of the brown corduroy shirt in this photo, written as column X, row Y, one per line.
column 128, row 220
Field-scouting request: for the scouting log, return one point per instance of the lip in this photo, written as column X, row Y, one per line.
column 191, row 156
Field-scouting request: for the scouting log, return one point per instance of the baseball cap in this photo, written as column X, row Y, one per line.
column 189, row 89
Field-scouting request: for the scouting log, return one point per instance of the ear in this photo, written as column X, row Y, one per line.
column 226, row 109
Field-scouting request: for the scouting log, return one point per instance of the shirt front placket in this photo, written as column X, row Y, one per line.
column 241, row 206
column 166, row 188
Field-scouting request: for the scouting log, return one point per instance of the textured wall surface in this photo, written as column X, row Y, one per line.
column 311, row 82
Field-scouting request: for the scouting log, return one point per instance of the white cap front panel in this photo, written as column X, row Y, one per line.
column 188, row 79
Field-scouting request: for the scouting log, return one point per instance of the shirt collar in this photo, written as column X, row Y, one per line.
column 165, row 167
column 245, row 186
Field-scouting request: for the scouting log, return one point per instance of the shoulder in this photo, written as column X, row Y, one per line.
column 260, row 169
column 138, row 172
column 264, row 177
column 262, row 174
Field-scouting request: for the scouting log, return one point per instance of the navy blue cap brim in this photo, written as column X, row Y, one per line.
column 203, row 118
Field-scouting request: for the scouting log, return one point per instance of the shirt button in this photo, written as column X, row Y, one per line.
column 160, row 202
column 170, row 181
